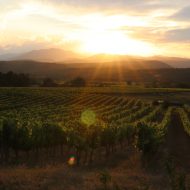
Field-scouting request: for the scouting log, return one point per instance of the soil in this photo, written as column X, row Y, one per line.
column 179, row 142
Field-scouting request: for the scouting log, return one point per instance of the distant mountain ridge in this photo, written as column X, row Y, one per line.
column 175, row 62
column 62, row 56
column 41, row 69
column 100, row 72
column 42, row 55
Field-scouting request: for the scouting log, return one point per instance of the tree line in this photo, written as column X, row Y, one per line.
column 76, row 82
column 11, row 79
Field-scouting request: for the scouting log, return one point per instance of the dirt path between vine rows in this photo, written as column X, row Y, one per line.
column 179, row 142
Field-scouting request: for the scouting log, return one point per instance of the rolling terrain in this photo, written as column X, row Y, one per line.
column 140, row 71
column 63, row 135
column 62, row 56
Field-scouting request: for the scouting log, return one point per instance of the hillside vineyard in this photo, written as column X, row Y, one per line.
column 49, row 125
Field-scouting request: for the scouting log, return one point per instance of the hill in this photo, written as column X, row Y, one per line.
column 175, row 62
column 42, row 55
column 54, row 68
column 63, row 56
column 140, row 71
column 41, row 69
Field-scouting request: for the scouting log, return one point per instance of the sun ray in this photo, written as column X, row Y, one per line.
column 97, row 69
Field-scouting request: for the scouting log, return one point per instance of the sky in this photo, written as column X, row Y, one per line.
column 134, row 27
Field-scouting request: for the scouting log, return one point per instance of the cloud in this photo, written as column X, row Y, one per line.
column 182, row 15
column 160, row 35
column 179, row 35
column 69, row 22
column 27, row 45
column 133, row 7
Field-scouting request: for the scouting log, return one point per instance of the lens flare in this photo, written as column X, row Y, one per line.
column 88, row 117
column 71, row 161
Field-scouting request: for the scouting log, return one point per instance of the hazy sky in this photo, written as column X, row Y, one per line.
column 144, row 27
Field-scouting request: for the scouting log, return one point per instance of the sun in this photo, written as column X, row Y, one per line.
column 115, row 42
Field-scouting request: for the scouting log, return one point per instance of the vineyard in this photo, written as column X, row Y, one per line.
column 79, row 126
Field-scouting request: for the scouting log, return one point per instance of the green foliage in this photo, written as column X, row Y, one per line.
column 148, row 139
column 185, row 119
column 44, row 119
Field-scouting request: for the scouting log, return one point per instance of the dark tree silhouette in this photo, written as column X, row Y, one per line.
column 129, row 82
column 16, row 80
column 78, row 82
column 48, row 82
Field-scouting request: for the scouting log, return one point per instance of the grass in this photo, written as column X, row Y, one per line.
column 127, row 173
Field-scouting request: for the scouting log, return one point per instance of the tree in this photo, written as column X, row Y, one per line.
column 129, row 82
column 78, row 82
column 48, row 82
column 13, row 79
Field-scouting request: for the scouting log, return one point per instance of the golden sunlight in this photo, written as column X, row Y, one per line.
column 115, row 42
column 32, row 24
column 106, row 34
